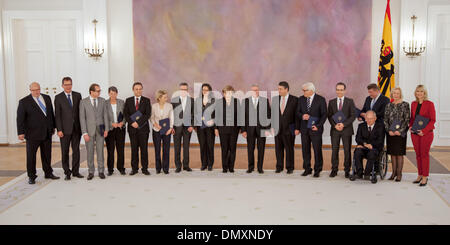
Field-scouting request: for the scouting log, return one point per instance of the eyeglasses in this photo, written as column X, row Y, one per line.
column 98, row 91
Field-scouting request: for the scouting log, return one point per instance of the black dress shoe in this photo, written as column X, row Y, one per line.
column 67, row 177
column 316, row 174
column 210, row 168
column 187, row 169
column 290, row 172
column 122, row 172
column 51, row 177
column 231, row 170
column 261, row 171
column 158, row 171
column 224, row 171
column 32, row 181
column 101, row 175
column 178, row 170
column 347, row 175
column 203, row 168
column 306, row 173
column 166, row 172
column 249, row 171
column 333, row 174
column 423, row 184
column 90, row 176
column 417, row 181
column 78, row 175
column 109, row 173
column 133, row 172
column 278, row 171
column 146, row 172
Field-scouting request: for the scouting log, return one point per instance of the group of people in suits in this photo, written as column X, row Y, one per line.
column 98, row 120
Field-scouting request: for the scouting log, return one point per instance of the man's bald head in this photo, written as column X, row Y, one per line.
column 371, row 117
column 35, row 89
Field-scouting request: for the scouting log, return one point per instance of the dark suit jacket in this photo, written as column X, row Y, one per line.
column 221, row 116
column 348, row 108
column 318, row 109
column 207, row 111
column 32, row 122
column 289, row 116
column 180, row 118
column 376, row 138
column 379, row 106
column 260, row 117
column 67, row 118
column 146, row 110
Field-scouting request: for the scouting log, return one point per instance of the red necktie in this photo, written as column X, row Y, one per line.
column 340, row 104
column 137, row 104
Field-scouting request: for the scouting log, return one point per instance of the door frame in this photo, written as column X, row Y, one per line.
column 10, row 81
column 432, row 72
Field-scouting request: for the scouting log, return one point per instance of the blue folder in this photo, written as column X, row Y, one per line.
column 339, row 117
column 165, row 126
column 312, row 121
column 419, row 123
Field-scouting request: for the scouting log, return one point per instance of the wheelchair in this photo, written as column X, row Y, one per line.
column 379, row 168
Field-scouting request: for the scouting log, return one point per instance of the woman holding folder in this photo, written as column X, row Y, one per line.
column 396, row 121
column 423, row 117
column 116, row 135
column 162, row 121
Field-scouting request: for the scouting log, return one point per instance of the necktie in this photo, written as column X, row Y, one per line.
column 70, row 101
column 42, row 106
column 308, row 102
column 255, row 103
column 340, row 104
column 137, row 104
column 283, row 104
column 95, row 104
column 372, row 104
column 370, row 129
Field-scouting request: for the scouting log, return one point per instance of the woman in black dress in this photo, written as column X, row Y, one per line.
column 396, row 120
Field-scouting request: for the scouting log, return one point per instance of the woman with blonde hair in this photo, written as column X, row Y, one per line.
column 162, row 110
column 423, row 138
column 396, row 121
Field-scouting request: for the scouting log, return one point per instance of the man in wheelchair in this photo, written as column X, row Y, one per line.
column 370, row 140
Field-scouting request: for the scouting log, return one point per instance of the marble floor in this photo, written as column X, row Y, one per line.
column 202, row 197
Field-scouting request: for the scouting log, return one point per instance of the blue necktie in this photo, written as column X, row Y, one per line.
column 70, row 101
column 42, row 106
column 372, row 103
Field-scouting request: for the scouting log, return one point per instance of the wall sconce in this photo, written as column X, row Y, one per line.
column 95, row 49
column 413, row 50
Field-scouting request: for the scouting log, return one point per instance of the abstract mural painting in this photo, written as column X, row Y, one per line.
column 242, row 42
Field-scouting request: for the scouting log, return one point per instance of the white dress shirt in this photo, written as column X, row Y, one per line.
column 285, row 101
column 337, row 101
column 114, row 109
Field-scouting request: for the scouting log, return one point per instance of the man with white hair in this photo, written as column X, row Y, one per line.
column 370, row 140
column 312, row 113
column 36, row 124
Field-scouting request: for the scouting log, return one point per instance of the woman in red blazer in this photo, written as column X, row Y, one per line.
column 423, row 138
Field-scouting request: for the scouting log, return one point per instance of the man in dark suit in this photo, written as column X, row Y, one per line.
column 257, row 124
column 67, row 118
column 138, row 130
column 374, row 102
column 183, row 110
column 341, row 130
column 370, row 140
column 36, row 124
column 285, row 126
column 311, row 105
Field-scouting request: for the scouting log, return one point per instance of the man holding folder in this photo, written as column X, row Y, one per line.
column 137, row 111
column 341, row 114
column 312, row 112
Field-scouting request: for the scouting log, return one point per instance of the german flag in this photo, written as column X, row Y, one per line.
column 386, row 74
